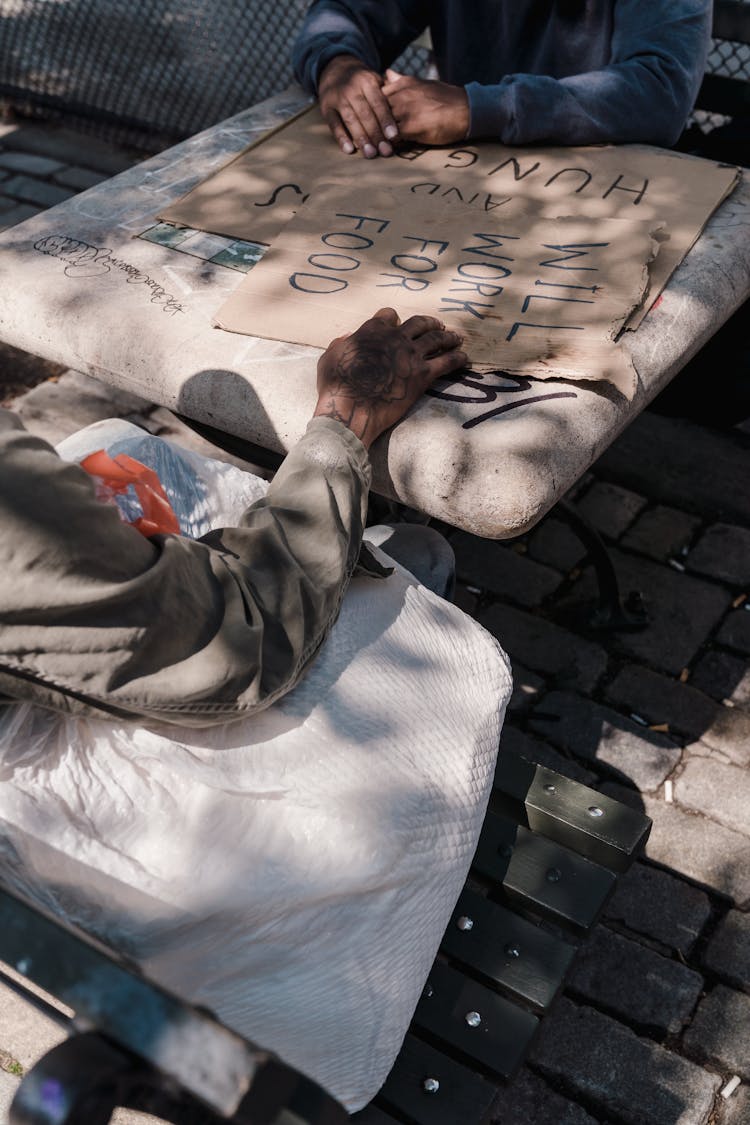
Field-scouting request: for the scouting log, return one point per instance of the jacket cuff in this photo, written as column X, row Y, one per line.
column 489, row 110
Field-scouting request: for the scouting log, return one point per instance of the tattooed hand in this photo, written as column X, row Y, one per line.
column 369, row 379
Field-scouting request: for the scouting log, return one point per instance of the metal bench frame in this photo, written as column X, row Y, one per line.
column 548, row 859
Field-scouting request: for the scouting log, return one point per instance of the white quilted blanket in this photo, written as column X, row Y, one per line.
column 294, row 871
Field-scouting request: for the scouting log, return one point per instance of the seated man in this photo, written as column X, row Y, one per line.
column 571, row 72
column 260, row 777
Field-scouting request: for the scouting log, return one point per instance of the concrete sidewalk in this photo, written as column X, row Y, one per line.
column 655, row 1020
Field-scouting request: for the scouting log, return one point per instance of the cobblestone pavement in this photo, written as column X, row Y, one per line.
column 655, row 1020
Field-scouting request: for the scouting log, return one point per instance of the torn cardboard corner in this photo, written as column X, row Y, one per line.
column 532, row 295
column 257, row 193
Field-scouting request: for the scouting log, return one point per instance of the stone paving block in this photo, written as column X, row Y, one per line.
column 519, row 742
column 605, row 968
column 526, row 688
column 694, row 846
column 134, row 1117
column 659, row 906
column 722, row 676
column 728, row 952
column 567, row 658
column 27, row 1033
column 18, row 213
column 9, row 1083
column 662, row 700
column 610, row 508
column 599, row 734
column 723, row 552
column 40, row 192
column 735, row 631
column 528, row 1100
column 717, row 790
column 735, row 1110
column 28, row 162
column 79, row 178
column 720, row 1031
column 70, row 147
column 661, row 532
column 730, row 733
column 555, row 544
column 681, row 464
column 55, row 410
column 627, row 1078
column 501, row 570
column 683, row 610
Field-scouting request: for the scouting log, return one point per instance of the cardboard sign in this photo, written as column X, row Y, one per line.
column 255, row 195
column 531, row 294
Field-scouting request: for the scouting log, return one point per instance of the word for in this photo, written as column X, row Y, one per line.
column 474, row 386
column 478, row 277
column 86, row 261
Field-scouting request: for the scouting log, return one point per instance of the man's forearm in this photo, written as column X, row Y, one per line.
column 95, row 618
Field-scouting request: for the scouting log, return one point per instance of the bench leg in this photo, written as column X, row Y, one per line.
column 79, row 1082
column 610, row 613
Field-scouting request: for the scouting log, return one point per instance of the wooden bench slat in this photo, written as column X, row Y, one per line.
column 526, row 961
column 500, row 1039
column 543, row 877
column 462, row 1094
column 569, row 813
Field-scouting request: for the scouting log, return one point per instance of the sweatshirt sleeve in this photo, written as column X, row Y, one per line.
column 95, row 618
column 375, row 31
column 645, row 94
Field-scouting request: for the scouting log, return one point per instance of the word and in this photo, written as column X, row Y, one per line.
column 86, row 261
column 575, row 179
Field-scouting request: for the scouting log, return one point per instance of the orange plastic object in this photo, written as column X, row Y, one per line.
column 118, row 473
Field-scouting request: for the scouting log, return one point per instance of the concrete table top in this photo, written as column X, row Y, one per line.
column 489, row 455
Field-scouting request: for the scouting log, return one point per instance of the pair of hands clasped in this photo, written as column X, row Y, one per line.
column 369, row 112
column 369, row 379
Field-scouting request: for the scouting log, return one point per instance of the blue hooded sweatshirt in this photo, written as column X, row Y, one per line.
column 535, row 71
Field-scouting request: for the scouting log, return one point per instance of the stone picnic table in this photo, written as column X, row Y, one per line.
column 491, row 456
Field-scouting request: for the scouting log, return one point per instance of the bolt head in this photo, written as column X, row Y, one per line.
column 473, row 1019
column 554, row 875
column 430, row 1085
column 465, row 923
column 594, row 810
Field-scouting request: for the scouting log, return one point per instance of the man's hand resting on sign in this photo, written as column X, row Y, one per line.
column 353, row 107
column 432, row 113
column 369, row 379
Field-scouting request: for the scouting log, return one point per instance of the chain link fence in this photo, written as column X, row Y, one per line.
column 149, row 72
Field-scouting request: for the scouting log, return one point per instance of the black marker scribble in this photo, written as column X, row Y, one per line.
column 86, row 261
column 277, row 191
column 474, row 386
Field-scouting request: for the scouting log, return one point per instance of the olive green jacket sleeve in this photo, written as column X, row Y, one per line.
column 94, row 618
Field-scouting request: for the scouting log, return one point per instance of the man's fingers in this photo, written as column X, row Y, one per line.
column 439, row 340
column 446, row 363
column 417, row 325
column 390, row 316
column 357, row 131
column 395, row 82
column 340, row 135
